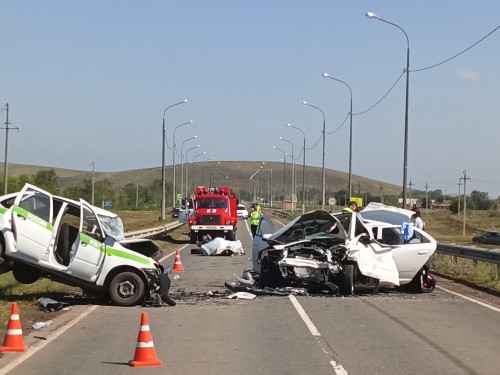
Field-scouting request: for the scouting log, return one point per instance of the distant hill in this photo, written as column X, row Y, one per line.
column 235, row 174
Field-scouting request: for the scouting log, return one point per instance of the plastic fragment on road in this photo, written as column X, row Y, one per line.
column 39, row 325
column 241, row 295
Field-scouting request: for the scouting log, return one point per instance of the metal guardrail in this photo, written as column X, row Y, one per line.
column 153, row 232
column 483, row 255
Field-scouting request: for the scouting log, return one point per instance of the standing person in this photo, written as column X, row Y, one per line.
column 352, row 207
column 254, row 219
column 417, row 220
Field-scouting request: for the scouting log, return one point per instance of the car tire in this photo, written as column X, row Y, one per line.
column 475, row 241
column 423, row 282
column 126, row 289
column 25, row 274
column 193, row 237
column 347, row 280
column 231, row 235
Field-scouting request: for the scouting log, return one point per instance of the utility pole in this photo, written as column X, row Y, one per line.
column 93, row 180
column 137, row 190
column 426, row 195
column 410, row 185
column 459, row 184
column 359, row 188
column 465, row 178
column 381, row 194
column 7, row 123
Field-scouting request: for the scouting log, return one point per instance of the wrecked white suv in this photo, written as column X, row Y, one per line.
column 77, row 244
column 340, row 252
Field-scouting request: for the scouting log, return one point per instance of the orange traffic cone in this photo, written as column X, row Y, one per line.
column 178, row 263
column 14, row 341
column 145, row 354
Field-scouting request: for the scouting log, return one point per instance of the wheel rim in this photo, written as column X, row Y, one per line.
column 126, row 289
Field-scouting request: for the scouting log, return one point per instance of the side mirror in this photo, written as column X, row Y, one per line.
column 109, row 241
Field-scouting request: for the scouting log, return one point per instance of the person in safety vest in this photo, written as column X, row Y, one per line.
column 352, row 207
column 254, row 219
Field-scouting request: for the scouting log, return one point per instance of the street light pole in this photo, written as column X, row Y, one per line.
column 292, row 183
column 323, row 162
column 303, row 167
column 194, row 158
column 174, row 146
column 163, row 141
column 187, row 164
column 372, row 15
column 284, row 172
column 326, row 75
column 182, row 163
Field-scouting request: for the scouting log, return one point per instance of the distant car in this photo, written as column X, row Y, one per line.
column 242, row 211
column 175, row 211
column 490, row 238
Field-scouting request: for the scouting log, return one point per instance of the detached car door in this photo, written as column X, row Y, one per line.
column 88, row 250
column 32, row 222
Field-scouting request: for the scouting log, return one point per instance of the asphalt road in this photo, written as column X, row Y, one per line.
column 388, row 333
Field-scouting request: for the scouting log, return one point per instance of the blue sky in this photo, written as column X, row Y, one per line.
column 88, row 81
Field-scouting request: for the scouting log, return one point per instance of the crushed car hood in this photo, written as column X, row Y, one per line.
column 310, row 223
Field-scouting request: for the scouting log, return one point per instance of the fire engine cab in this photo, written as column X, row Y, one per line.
column 214, row 213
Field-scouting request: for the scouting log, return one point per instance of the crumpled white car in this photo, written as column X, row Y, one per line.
column 339, row 252
column 75, row 243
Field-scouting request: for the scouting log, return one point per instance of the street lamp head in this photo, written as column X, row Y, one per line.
column 326, row 75
column 370, row 15
column 185, row 101
column 274, row 146
column 190, row 121
column 305, row 103
column 280, row 138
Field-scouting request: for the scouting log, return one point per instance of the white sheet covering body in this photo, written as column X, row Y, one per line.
column 220, row 246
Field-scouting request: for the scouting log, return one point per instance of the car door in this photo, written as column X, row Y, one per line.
column 88, row 250
column 410, row 256
column 32, row 221
column 265, row 227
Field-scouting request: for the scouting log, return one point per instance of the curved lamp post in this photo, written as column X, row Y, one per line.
column 292, row 184
column 372, row 15
column 194, row 158
column 284, row 172
column 182, row 162
column 162, row 214
column 187, row 164
column 323, row 163
column 326, row 75
column 174, row 146
column 303, row 167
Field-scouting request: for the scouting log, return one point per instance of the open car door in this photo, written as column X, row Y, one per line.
column 87, row 249
column 32, row 221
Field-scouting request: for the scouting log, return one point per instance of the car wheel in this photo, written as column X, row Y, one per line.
column 25, row 274
column 347, row 280
column 475, row 241
column 423, row 282
column 126, row 289
column 231, row 236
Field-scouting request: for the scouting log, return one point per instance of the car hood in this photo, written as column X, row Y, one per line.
column 387, row 214
column 310, row 223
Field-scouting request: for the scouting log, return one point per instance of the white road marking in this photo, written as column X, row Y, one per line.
column 39, row 345
column 470, row 299
column 337, row 368
column 312, row 328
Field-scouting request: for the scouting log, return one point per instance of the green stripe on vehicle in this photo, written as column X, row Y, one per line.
column 114, row 252
column 2, row 210
column 32, row 217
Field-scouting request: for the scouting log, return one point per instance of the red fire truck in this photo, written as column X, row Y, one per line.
column 214, row 213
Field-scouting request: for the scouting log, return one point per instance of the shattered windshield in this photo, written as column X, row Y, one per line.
column 113, row 226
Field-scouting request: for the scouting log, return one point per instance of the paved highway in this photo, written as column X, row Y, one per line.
column 389, row 333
